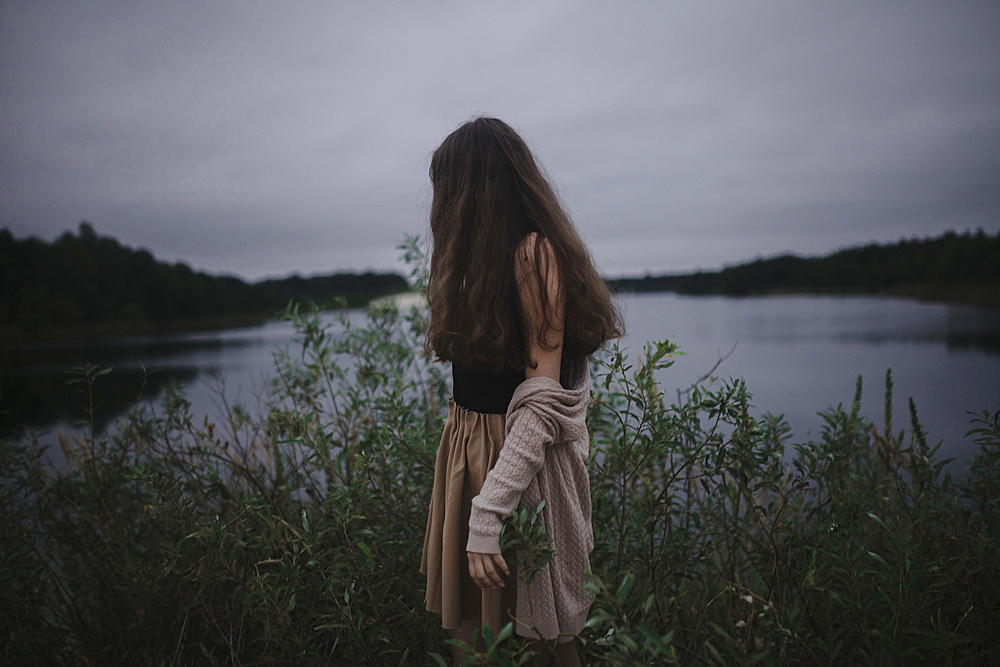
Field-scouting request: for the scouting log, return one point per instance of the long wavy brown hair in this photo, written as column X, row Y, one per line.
column 489, row 194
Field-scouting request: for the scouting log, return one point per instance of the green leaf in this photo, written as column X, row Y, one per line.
column 506, row 632
column 879, row 559
column 659, row 644
column 625, row 587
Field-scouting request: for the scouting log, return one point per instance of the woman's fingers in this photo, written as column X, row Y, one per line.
column 485, row 569
column 501, row 563
column 477, row 570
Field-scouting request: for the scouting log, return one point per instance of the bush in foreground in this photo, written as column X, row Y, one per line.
column 294, row 537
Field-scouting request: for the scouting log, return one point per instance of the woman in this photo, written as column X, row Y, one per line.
column 517, row 307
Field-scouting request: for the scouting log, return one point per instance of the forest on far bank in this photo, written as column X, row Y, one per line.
column 87, row 286
column 952, row 267
column 84, row 285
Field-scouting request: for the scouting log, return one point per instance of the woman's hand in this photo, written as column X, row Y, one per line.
column 485, row 569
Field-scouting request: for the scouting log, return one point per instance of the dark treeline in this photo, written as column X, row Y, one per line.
column 84, row 285
column 357, row 289
column 951, row 267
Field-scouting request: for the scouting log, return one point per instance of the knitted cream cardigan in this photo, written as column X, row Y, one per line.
column 544, row 455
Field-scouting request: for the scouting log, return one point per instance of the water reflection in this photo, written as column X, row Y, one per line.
column 40, row 400
column 34, row 393
column 47, row 356
column 798, row 354
column 979, row 342
column 795, row 319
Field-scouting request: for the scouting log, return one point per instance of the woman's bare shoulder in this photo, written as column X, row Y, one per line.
column 538, row 272
column 526, row 251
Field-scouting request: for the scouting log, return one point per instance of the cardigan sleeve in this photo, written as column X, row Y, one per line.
column 521, row 458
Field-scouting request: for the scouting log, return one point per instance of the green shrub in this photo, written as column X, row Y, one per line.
column 293, row 535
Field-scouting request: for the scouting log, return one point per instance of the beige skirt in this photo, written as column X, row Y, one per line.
column 469, row 448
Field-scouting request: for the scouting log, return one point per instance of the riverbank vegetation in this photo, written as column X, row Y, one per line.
column 962, row 268
column 90, row 286
column 290, row 532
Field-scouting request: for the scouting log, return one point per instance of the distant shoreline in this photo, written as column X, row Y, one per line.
column 13, row 340
column 88, row 287
column 12, row 337
column 85, row 286
column 952, row 268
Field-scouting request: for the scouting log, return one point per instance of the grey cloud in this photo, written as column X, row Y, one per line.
column 260, row 139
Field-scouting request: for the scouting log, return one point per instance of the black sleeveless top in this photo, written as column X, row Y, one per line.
column 484, row 392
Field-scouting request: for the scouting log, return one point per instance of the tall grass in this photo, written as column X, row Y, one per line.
column 293, row 535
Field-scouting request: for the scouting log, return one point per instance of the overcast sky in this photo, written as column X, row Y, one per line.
column 265, row 139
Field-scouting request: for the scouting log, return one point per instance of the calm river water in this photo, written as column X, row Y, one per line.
column 798, row 355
